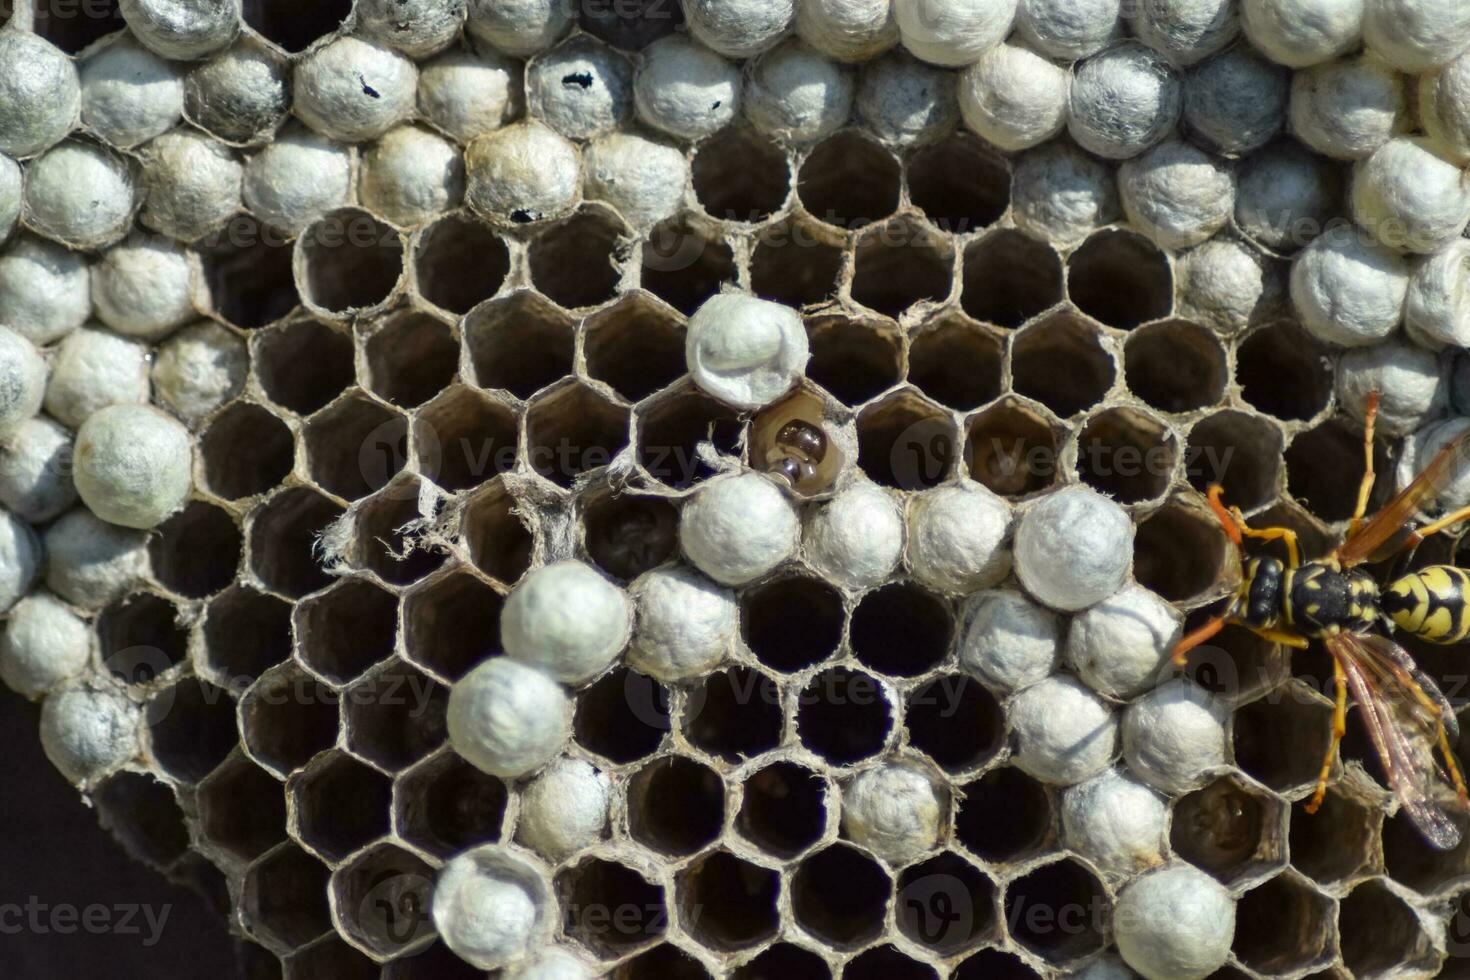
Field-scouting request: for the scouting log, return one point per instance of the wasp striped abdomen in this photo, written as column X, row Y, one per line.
column 1432, row 603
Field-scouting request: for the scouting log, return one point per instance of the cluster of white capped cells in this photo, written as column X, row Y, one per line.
column 763, row 442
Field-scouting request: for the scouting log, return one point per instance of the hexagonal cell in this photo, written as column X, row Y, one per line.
column 445, row 805
column 1240, row 452
column 900, row 264
column 1284, row 372
column 574, row 262
column 141, row 637
column 636, row 346
column 286, row 718
column 352, row 260
column 995, row 964
column 73, row 26
column 684, row 263
column 292, row 28
column 144, row 816
column 452, row 623
column 256, row 962
column 1175, row 366
column 664, row 962
column 740, row 175
column 574, row 430
column 1005, row 815
column 844, row 715
column 395, row 716
column 675, row 806
column 284, row 900
column 1127, row 454
column 389, row 535
column 1230, row 828
column 1058, row 911
column 382, row 902
column 498, row 540
column 957, row 362
column 1322, row 468
column 906, row 442
column 434, row 963
column 1011, row 448
column 1120, row 278
column 1010, row 277
column 1281, row 741
column 347, row 629
column 1336, row 843
column 304, row 365
column 464, row 438
column 520, row 343
column 340, row 805
column 795, row 264
column 627, row 535
column 196, row 553
column 784, row 810
column 247, row 268
column 960, row 183
column 610, row 908
column 1283, row 925
column 955, row 721
column 946, row 904
column 854, row 358
column 246, row 450
column 242, row 809
column 727, row 903
column 792, row 623
column 356, row 446
column 1180, row 552
column 622, row 717
column 630, row 24
column 901, row 629
column 734, row 714
column 886, row 963
column 669, row 434
column 783, row 961
column 192, row 728
column 459, row 263
column 1414, row 862
column 848, row 181
column 1381, row 934
column 330, row 957
column 410, row 358
column 1063, row 363
column 840, row 896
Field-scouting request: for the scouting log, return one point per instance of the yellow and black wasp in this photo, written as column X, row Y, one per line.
column 1337, row 601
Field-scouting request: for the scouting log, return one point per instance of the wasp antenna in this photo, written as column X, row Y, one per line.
column 1222, row 514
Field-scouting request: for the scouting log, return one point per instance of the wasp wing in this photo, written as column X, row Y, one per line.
column 1382, row 526
column 1402, row 718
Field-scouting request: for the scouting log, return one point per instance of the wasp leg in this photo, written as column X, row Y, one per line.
column 1283, row 534
column 1195, row 637
column 1365, row 489
column 1429, row 530
column 1283, row 637
column 1339, row 729
column 1238, row 530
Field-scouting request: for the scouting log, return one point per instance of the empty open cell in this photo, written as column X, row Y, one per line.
column 740, row 175
column 1282, row 926
column 1004, row 815
column 452, row 623
column 995, row 964
column 792, row 623
column 1180, row 552
column 854, row 358
column 459, row 263
column 959, row 183
column 906, row 442
column 347, row 629
column 1281, row 741
column 840, row 896
column 956, row 362
column 283, row 538
column 685, row 264
column 636, row 347
column 1009, row 278
column 446, row 805
column 1011, row 448
column 246, row 451
column 783, row 960
column 902, row 629
column 886, row 963
column 382, row 902
column 410, row 358
column 463, row 438
column 434, row 963
column 1228, row 828
column 72, row 25
column 352, row 261
column 519, row 343
column 663, row 962
column 609, row 908
column 304, row 365
column 1175, row 366
column 1063, row 363
column 955, row 721
column 630, row 24
column 1284, row 372
column 1336, row 843
column 784, row 810
column 191, row 728
column 945, row 904
column 497, row 537
column 1058, row 911
column 575, row 262
column 1323, row 466
column 200, row 874
column 340, row 805
column 395, row 717
column 795, row 265
column 196, row 553
column 728, row 903
column 242, row 809
column 669, row 434
column 285, row 898
column 849, row 181
column 1412, row 861
column 247, row 268
column 1380, row 933
column 899, row 264
column 1121, row 279
column 1127, row 454
column 144, row 816
column 141, row 637
column 1240, row 452
column 844, row 715
column 676, row 806
column 330, row 957
column 627, row 535
column 574, row 430
column 622, row 717
column 256, row 962
column 388, row 539
column 286, row 718
column 291, row 27
column 734, row 715
column 356, row 446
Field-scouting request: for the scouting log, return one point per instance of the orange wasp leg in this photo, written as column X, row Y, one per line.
column 1339, row 729
column 1233, row 521
column 1365, row 489
column 1195, row 637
